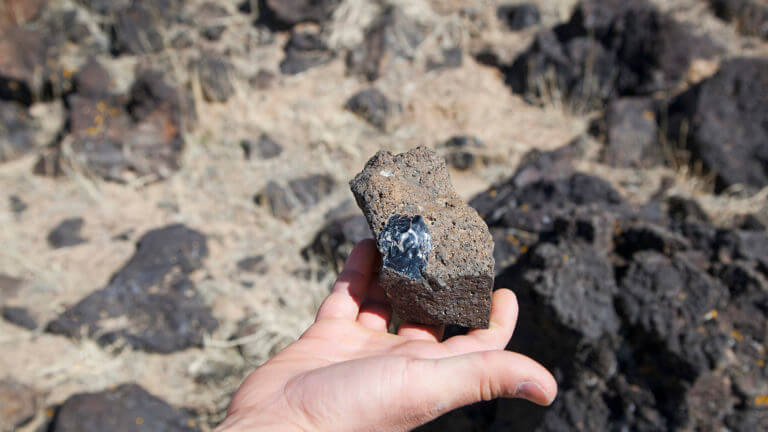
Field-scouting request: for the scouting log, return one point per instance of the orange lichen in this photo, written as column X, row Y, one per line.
column 736, row 335
column 761, row 400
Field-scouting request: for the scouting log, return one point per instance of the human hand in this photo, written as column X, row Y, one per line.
column 346, row 373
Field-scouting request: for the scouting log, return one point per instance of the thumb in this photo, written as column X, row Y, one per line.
column 445, row 384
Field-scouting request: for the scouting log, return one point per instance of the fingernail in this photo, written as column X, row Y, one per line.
column 531, row 391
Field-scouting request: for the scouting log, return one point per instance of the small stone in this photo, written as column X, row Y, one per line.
column 126, row 408
column 372, row 106
column 253, row 264
column 17, row 131
column 295, row 11
column 460, row 152
column 334, row 242
column 17, row 404
column 449, row 58
column 304, row 50
column 214, row 73
column 310, row 190
column 519, row 16
column 9, row 286
column 265, row 147
column 437, row 265
column 278, row 200
column 136, row 31
column 262, row 80
column 18, row 316
column 66, row 234
column 17, row 205
column 631, row 134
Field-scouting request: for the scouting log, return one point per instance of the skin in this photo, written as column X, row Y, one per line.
column 347, row 373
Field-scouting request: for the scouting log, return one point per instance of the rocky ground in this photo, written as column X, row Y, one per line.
column 174, row 176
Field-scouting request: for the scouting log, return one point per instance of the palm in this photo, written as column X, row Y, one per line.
column 346, row 372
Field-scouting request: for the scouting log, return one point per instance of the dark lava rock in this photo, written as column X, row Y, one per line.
column 519, row 16
column 667, row 300
column 391, row 35
column 211, row 16
column 608, row 48
column 127, row 407
column 303, row 192
column 93, row 80
column 681, row 209
column 137, row 30
column 750, row 16
column 253, row 264
column 18, row 403
column 372, row 106
column 448, row 58
column 17, row 205
column 295, row 11
column 18, row 316
column 631, row 134
column 118, row 138
column 17, row 131
column 66, row 233
column 724, row 122
column 408, row 199
column 152, row 294
column 304, row 50
column 460, row 152
column 265, row 147
column 215, row 78
column 334, row 242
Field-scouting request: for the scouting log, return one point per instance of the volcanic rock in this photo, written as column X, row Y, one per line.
column 304, row 50
column 295, row 11
column 372, row 106
column 18, row 316
column 334, row 242
column 460, row 152
column 17, row 404
column 156, row 304
column 66, row 234
column 17, row 131
column 126, row 408
column 724, row 121
column 302, row 192
column 437, row 263
column 137, row 31
column 631, row 134
column 519, row 16
column 750, row 16
column 214, row 73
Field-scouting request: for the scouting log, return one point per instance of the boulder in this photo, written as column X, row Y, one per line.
column 152, row 298
column 127, row 407
column 724, row 122
column 437, row 263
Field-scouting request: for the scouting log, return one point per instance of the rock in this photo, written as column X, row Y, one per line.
column 681, row 209
column 752, row 222
column 156, row 304
column 303, row 192
column 304, row 50
column 17, row 131
column 334, row 242
column 18, row 404
column 137, row 31
column 9, row 286
column 106, row 7
column 442, row 271
column 668, row 300
column 519, row 16
column 372, row 106
column 460, row 152
column 212, row 15
column 253, row 264
column 311, row 189
column 292, row 12
column 391, row 35
column 747, row 245
column 750, row 16
column 118, row 138
column 93, row 80
column 127, row 407
column 17, row 205
column 642, row 237
column 631, row 134
column 66, row 233
column 18, row 12
column 18, row 316
column 214, row 73
column 28, row 60
column 724, row 121
column 262, row 80
column 594, row 56
column 449, row 58
column 265, row 147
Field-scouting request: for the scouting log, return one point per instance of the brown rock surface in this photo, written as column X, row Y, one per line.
column 455, row 285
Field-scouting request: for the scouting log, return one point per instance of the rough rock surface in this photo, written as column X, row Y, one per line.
column 214, row 73
column 304, row 50
column 750, row 16
column 125, row 408
column 17, row 404
column 372, row 106
column 150, row 304
column 607, row 49
column 66, row 233
column 437, row 253
column 726, row 117
column 295, row 11
column 631, row 134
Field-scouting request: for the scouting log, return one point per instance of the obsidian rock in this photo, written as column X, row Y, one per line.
column 437, row 265
column 405, row 244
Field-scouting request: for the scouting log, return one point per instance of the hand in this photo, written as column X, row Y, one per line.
column 346, row 373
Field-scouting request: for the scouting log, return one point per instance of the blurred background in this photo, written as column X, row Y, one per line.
column 174, row 201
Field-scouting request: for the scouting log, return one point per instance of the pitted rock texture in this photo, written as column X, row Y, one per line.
column 455, row 285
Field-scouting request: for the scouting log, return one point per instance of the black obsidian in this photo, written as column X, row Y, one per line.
column 405, row 244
